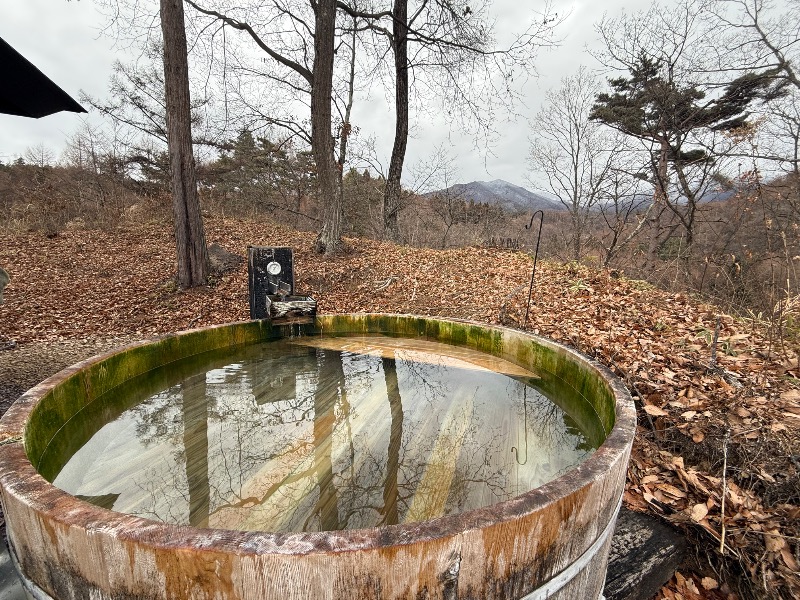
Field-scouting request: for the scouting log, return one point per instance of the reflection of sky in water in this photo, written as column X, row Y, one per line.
column 328, row 433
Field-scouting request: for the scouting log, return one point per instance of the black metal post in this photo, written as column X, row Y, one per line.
column 535, row 260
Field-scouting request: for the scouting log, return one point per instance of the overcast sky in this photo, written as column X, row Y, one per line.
column 63, row 39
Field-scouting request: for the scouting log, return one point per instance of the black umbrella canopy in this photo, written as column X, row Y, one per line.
column 26, row 91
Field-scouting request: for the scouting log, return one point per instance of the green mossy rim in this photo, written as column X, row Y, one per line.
column 592, row 401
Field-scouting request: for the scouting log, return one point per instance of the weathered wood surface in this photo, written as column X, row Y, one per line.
column 644, row 555
column 291, row 306
column 293, row 320
column 424, row 351
column 638, row 540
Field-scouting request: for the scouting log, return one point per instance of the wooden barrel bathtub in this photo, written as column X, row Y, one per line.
column 551, row 542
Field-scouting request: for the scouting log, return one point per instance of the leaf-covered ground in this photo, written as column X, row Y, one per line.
column 711, row 432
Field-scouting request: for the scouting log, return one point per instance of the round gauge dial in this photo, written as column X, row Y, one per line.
column 274, row 268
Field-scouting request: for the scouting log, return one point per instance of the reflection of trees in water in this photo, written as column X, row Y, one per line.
column 367, row 484
column 389, row 511
column 461, row 465
column 542, row 421
column 261, row 439
column 400, row 482
column 159, row 497
column 331, row 376
column 195, row 445
column 544, row 426
column 482, row 473
column 159, row 418
column 425, row 378
column 354, row 440
column 176, row 421
column 228, row 419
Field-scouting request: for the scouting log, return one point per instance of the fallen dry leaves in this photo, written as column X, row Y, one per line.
column 717, row 452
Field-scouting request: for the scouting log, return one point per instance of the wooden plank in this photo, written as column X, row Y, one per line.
column 291, row 306
column 423, row 351
column 290, row 320
column 644, row 555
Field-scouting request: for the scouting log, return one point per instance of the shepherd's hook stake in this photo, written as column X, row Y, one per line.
column 535, row 259
column 514, row 449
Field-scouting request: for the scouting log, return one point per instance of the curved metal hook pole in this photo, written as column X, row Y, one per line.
column 535, row 260
column 514, row 450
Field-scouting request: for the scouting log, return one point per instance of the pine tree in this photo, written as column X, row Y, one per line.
column 650, row 104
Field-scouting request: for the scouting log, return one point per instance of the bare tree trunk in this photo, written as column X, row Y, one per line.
column 344, row 135
column 190, row 238
column 616, row 246
column 577, row 232
column 688, row 214
column 659, row 205
column 392, row 191
column 330, row 194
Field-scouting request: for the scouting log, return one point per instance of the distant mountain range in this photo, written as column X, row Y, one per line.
column 508, row 196
column 513, row 198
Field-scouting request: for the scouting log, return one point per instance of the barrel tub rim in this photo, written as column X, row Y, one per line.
column 21, row 480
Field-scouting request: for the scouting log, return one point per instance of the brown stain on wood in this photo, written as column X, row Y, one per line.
column 196, row 575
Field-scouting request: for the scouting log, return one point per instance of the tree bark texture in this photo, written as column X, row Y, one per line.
column 660, row 204
column 344, row 135
column 190, row 239
column 392, row 191
column 330, row 238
